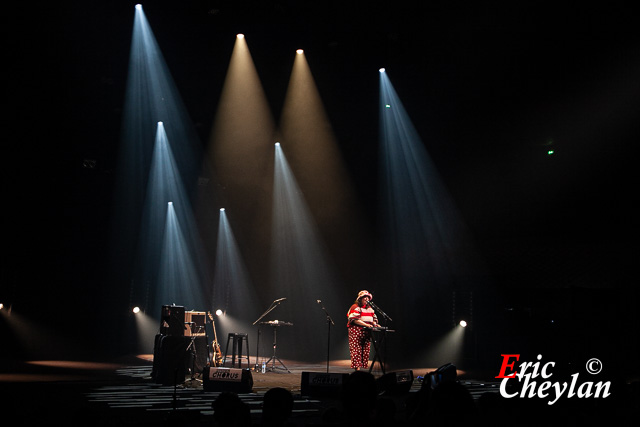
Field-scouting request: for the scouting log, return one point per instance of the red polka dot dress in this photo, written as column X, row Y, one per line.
column 360, row 337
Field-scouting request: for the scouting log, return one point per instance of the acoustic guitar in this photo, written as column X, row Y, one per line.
column 216, row 358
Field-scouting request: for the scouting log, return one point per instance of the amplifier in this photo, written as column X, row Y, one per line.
column 195, row 322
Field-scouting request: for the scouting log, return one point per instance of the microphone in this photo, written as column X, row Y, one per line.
column 280, row 299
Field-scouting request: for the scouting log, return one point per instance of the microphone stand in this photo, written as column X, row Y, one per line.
column 329, row 323
column 192, row 351
column 273, row 305
column 375, row 307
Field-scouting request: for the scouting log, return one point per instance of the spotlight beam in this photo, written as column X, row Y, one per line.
column 420, row 217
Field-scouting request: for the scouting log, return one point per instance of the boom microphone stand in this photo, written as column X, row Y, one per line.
column 329, row 323
column 376, row 308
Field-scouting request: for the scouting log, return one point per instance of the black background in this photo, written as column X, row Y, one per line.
column 488, row 87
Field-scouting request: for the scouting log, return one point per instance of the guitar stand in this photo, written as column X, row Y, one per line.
column 273, row 358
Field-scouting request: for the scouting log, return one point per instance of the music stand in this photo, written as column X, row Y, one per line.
column 273, row 305
column 272, row 359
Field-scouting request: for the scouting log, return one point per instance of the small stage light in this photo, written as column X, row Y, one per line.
column 136, row 310
column 382, row 70
column 218, row 312
column 139, row 7
column 160, row 124
column 171, row 203
column 240, row 36
column 299, row 51
column 1, row 306
column 463, row 323
column 388, row 106
column 550, row 152
column 221, row 209
column 277, row 144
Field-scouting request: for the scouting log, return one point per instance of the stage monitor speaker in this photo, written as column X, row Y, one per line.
column 322, row 384
column 227, row 379
column 444, row 373
column 172, row 321
column 398, row 382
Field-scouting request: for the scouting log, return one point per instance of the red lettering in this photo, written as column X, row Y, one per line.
column 505, row 365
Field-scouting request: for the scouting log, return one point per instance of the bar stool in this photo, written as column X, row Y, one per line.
column 236, row 341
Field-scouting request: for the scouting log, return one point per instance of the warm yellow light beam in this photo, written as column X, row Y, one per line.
column 315, row 159
column 241, row 144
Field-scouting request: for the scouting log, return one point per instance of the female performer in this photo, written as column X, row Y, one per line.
column 361, row 317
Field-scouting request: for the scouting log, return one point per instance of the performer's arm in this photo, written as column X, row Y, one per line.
column 361, row 323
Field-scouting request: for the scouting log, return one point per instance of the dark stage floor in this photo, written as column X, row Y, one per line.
column 125, row 393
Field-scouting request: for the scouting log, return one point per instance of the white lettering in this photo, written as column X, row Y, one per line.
column 559, row 392
column 531, row 387
column 536, row 366
column 599, row 387
column 584, row 390
column 574, row 379
column 544, row 369
column 523, row 368
column 543, row 387
column 503, row 389
column 553, row 391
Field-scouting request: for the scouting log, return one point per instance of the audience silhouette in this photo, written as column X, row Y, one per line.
column 359, row 395
column 447, row 403
column 277, row 406
column 230, row 410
